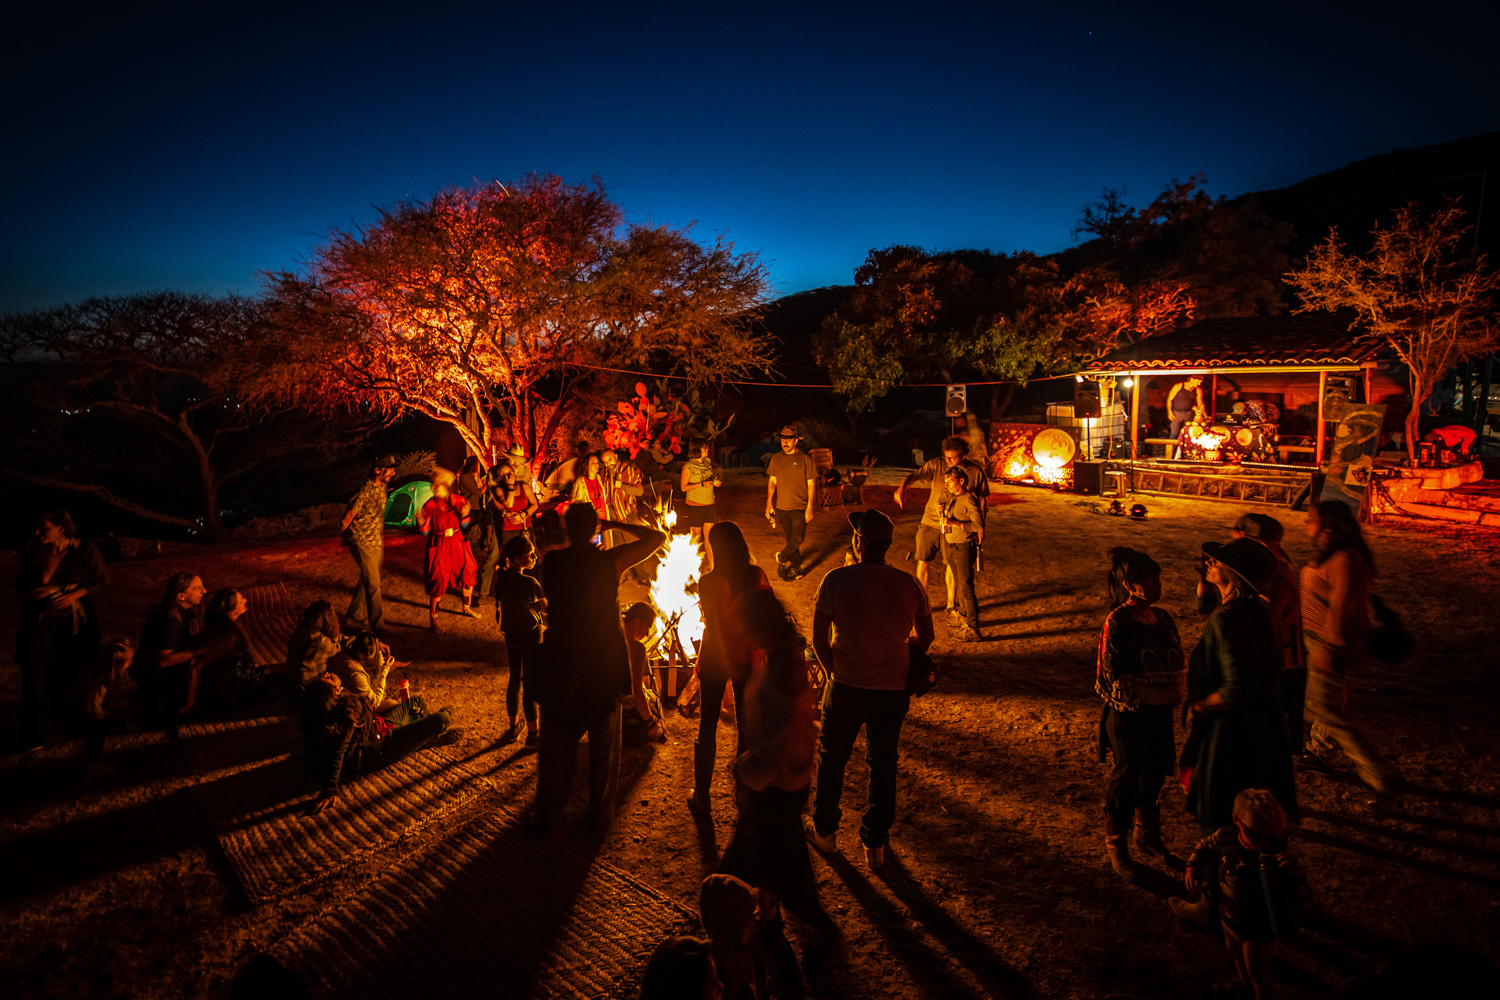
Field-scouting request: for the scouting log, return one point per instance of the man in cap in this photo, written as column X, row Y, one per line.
column 862, row 626
column 929, row 541
column 789, row 499
column 364, row 532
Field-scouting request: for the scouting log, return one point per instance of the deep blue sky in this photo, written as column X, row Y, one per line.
column 191, row 146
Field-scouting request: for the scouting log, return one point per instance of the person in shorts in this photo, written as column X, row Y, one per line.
column 929, row 542
column 699, row 479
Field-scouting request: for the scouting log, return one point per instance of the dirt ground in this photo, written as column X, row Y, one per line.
column 997, row 885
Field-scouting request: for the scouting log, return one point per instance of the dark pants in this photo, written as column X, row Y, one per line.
column 557, row 759
column 1293, row 693
column 1143, row 748
column 486, row 546
column 845, row 710
column 411, row 736
column 793, row 525
column 517, row 648
column 705, row 750
column 365, row 604
column 962, row 559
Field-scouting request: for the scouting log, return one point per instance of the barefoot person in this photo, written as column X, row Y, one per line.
column 450, row 560
column 1140, row 676
column 364, row 533
column 866, row 614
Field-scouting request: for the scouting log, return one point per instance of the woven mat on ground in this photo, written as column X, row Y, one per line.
column 269, row 621
column 237, row 742
column 493, row 911
column 264, row 822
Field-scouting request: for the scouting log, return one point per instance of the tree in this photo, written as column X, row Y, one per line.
column 1431, row 304
column 136, row 401
column 504, row 306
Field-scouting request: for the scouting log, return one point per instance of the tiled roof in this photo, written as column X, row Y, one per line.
column 1312, row 340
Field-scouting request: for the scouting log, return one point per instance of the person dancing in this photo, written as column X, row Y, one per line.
column 450, row 560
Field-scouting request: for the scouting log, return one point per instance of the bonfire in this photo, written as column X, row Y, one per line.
column 674, row 589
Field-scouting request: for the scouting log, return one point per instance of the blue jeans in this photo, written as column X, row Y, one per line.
column 845, row 710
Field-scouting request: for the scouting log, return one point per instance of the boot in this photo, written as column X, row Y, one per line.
column 699, row 803
column 1147, row 837
column 1117, row 847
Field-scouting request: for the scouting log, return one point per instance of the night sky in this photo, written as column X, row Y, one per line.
column 159, row 146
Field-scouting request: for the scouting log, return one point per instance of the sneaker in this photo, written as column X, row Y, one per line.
column 826, row 845
column 874, row 856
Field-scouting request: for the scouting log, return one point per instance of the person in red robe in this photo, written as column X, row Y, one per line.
column 450, row 559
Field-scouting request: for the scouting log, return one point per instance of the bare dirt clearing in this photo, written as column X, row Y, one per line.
column 997, row 887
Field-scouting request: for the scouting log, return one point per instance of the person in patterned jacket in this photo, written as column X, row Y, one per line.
column 1140, row 676
column 364, row 533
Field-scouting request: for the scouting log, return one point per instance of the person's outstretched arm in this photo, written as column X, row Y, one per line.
column 647, row 541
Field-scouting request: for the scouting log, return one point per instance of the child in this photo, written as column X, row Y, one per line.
column 519, row 606
column 104, row 694
column 963, row 537
column 1258, row 885
column 644, row 723
column 727, row 910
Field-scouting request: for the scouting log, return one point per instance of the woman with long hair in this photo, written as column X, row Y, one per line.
column 1140, row 675
column 57, row 637
column 699, row 479
column 1240, row 736
column 104, row 694
column 513, row 504
column 724, row 657
column 222, row 664
column 314, row 642
column 592, row 486
column 343, row 737
column 1335, row 628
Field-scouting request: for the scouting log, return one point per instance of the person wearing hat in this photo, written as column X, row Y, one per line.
column 789, row 499
column 1239, row 737
column 929, row 539
column 364, row 533
column 862, row 635
column 1286, row 612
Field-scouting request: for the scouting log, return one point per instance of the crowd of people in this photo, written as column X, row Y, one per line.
column 1265, row 690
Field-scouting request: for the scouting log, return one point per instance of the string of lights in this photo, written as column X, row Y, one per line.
column 824, row 385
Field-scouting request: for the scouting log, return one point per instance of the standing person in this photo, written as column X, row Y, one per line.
column 1336, row 625
column 512, row 504
column 1140, row 675
column 773, row 773
column 449, row 559
column 583, row 666
column 865, row 616
column 724, row 656
column 698, row 481
column 592, row 488
column 57, row 637
column 163, row 659
column 626, row 487
column 1243, row 740
column 930, row 530
column 519, row 607
column 963, row 539
column 1182, row 400
column 483, row 533
column 790, row 491
column 364, row 533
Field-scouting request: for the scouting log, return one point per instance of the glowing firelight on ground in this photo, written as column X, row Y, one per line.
column 674, row 588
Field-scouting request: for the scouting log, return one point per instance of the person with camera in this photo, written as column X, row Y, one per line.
column 862, row 635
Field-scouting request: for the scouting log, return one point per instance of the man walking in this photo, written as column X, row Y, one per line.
column 364, row 532
column 582, row 668
column 930, row 531
column 862, row 627
column 789, row 500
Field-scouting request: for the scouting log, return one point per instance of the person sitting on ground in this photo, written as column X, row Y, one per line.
column 222, row 667
column 681, row 968
column 104, row 695
column 1258, row 886
column 315, row 641
column 642, row 723
column 727, row 910
column 343, row 737
column 963, row 538
column 162, row 666
column 519, row 609
column 364, row 668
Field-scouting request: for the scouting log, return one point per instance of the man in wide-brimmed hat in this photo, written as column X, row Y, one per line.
column 789, row 499
column 364, row 532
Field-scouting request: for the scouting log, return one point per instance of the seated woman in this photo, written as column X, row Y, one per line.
column 344, row 738
column 223, row 673
column 104, row 695
column 316, row 641
column 364, row 667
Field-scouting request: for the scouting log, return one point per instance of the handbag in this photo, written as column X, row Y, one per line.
column 1388, row 642
column 921, row 675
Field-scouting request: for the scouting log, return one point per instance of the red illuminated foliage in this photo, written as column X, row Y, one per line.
column 497, row 306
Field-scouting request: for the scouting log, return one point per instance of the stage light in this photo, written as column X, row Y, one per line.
column 1078, row 378
column 1127, row 383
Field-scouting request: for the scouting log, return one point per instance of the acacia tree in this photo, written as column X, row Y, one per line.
column 502, row 305
column 135, row 400
column 1432, row 305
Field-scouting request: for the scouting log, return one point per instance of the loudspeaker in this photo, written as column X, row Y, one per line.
column 1338, row 393
column 957, row 401
column 1086, row 400
column 1088, row 478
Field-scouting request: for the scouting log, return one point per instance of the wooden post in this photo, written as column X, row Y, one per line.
column 1213, row 397
column 1136, row 389
column 1369, row 374
column 1318, row 425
